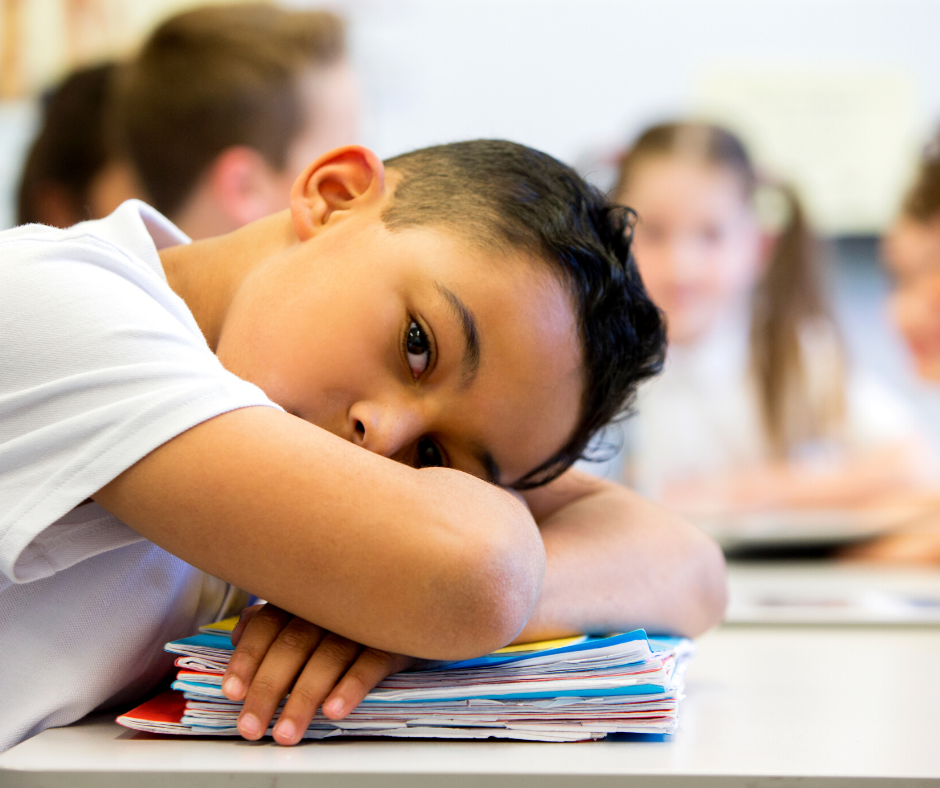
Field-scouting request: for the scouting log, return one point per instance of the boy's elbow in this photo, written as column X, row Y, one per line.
column 709, row 587
column 497, row 580
column 505, row 594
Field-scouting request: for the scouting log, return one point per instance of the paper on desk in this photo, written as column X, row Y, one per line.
column 571, row 690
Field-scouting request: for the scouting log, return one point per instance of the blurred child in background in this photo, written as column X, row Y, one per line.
column 69, row 175
column 757, row 407
column 224, row 106
column 912, row 255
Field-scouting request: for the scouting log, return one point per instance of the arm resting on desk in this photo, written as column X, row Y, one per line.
column 616, row 561
column 433, row 563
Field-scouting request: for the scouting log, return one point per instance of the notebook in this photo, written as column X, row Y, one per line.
column 566, row 690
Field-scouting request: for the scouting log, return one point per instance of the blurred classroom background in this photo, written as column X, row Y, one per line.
column 835, row 96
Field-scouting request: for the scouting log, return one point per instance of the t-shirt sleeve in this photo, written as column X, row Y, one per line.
column 100, row 363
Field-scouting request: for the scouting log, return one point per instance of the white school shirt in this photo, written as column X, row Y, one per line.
column 701, row 416
column 100, row 363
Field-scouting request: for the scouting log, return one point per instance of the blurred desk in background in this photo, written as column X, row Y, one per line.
column 766, row 706
column 802, row 529
column 825, row 593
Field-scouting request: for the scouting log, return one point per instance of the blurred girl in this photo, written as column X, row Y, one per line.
column 757, row 408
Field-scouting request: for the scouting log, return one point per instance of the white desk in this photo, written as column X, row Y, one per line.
column 765, row 706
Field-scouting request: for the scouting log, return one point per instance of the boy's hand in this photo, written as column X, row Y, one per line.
column 276, row 653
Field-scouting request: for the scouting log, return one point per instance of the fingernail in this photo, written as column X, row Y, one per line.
column 333, row 708
column 249, row 726
column 233, row 688
column 285, row 731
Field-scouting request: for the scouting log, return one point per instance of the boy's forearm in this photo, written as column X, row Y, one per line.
column 616, row 562
column 429, row 563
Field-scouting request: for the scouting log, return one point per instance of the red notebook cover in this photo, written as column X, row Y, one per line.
column 167, row 707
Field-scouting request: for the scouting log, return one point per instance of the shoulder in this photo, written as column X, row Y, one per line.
column 84, row 281
column 120, row 243
column 101, row 363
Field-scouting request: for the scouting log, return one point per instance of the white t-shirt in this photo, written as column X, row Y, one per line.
column 701, row 416
column 100, row 363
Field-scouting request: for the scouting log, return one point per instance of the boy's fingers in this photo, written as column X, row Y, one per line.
column 368, row 670
column 246, row 615
column 329, row 662
column 254, row 641
column 273, row 680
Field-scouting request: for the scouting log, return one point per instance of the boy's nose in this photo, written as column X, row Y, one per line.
column 386, row 429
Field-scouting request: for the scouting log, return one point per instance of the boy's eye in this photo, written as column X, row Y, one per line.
column 429, row 456
column 418, row 349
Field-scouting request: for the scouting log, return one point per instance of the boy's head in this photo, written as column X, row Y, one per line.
column 69, row 175
column 508, row 197
column 474, row 305
column 224, row 106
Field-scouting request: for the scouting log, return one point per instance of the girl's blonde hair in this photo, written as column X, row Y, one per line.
column 801, row 393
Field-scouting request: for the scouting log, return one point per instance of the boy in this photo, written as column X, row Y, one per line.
column 223, row 106
column 69, row 175
column 470, row 313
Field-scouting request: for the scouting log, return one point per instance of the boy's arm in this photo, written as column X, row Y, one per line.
column 616, row 561
column 432, row 563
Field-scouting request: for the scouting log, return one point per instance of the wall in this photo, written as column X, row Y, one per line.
column 836, row 95
column 855, row 84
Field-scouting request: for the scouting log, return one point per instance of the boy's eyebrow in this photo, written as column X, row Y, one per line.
column 471, row 353
column 471, row 362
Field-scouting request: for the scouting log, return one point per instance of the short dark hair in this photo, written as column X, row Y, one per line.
column 504, row 194
column 70, row 149
column 215, row 77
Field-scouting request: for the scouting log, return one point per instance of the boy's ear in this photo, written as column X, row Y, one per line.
column 338, row 182
column 242, row 186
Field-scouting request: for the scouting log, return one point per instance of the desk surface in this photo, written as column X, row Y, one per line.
column 765, row 706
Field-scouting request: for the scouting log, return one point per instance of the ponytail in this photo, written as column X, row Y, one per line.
column 796, row 353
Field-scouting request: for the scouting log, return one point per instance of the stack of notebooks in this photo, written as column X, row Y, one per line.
column 563, row 690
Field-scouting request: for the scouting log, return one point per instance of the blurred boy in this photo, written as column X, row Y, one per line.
column 225, row 105
column 470, row 316
column 70, row 175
